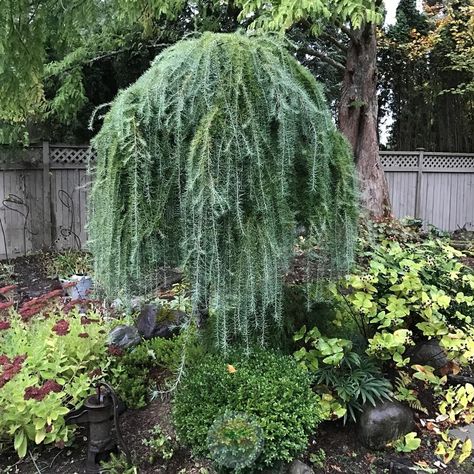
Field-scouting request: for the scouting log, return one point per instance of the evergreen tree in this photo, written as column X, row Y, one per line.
column 425, row 75
column 210, row 161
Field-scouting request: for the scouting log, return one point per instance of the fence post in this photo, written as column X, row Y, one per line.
column 48, row 238
column 419, row 177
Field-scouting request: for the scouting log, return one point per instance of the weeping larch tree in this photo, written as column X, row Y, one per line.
column 210, row 161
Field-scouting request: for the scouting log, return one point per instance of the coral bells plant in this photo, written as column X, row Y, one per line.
column 47, row 367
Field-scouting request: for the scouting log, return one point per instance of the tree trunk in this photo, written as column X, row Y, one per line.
column 358, row 119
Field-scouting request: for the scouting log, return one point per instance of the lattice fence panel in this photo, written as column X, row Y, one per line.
column 402, row 160
column 71, row 156
column 448, row 161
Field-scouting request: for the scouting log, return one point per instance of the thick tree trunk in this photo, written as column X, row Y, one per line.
column 358, row 119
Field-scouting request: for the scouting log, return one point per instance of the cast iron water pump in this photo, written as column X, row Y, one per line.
column 100, row 413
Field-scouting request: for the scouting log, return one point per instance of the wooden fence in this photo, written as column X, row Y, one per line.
column 435, row 187
column 43, row 193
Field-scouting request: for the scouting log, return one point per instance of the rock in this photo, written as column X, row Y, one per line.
column 403, row 467
column 384, row 423
column 463, row 432
column 136, row 303
column 156, row 321
column 81, row 288
column 298, row 467
column 124, row 336
column 429, row 353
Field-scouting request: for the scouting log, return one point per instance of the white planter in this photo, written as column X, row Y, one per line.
column 79, row 291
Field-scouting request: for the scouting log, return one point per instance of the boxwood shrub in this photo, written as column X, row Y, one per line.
column 268, row 386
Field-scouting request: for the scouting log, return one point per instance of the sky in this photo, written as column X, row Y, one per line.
column 391, row 6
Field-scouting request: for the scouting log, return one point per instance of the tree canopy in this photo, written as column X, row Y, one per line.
column 50, row 49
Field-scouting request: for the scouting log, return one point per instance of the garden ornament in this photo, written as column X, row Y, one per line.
column 100, row 412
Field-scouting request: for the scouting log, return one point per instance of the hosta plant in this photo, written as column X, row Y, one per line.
column 47, row 367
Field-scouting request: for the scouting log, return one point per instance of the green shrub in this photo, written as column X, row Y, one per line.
column 46, row 369
column 409, row 292
column 266, row 386
column 130, row 372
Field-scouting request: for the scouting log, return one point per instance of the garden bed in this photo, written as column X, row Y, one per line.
column 333, row 447
column 343, row 452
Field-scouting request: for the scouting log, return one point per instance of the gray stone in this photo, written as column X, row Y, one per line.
column 404, row 466
column 124, row 336
column 383, row 423
column 298, row 467
column 463, row 433
column 429, row 353
column 156, row 321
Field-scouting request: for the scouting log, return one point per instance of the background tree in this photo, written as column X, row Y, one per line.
column 50, row 43
column 427, row 75
column 60, row 60
column 357, row 118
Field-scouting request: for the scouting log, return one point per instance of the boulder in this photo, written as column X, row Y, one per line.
column 124, row 336
column 429, row 353
column 156, row 321
column 385, row 422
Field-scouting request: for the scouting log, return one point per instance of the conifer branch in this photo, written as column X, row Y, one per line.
column 195, row 174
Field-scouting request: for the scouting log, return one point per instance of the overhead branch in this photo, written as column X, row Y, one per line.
column 334, row 41
column 314, row 52
column 110, row 54
column 349, row 33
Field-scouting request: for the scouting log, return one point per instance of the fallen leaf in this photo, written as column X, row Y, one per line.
column 231, row 369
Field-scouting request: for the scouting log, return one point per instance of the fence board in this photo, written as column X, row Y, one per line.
column 51, row 182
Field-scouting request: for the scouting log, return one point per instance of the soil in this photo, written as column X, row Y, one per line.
column 343, row 452
column 29, row 273
column 135, row 426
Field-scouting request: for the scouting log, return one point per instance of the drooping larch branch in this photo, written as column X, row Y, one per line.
column 210, row 161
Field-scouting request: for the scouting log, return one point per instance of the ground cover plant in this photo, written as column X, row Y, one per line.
column 216, row 179
column 409, row 289
column 141, row 372
column 48, row 365
column 68, row 263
